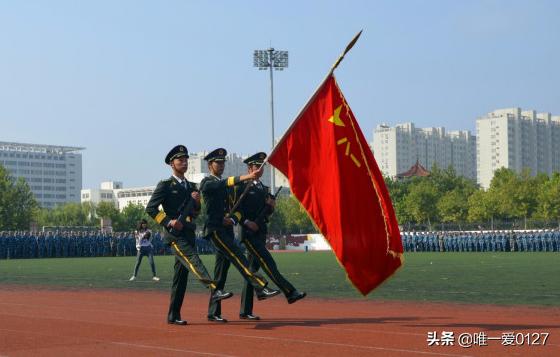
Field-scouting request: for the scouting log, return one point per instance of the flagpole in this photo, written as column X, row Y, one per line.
column 334, row 66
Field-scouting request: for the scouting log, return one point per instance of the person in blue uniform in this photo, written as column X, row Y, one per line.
column 219, row 196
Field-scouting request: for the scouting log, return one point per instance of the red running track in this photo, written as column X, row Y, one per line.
column 38, row 322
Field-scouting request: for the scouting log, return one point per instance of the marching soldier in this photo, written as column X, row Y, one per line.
column 257, row 206
column 219, row 197
column 180, row 201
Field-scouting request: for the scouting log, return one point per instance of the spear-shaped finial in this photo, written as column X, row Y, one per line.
column 348, row 48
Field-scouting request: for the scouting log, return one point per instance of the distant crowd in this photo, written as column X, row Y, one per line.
column 24, row 244
column 490, row 241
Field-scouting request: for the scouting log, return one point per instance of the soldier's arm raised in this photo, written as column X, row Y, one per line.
column 213, row 185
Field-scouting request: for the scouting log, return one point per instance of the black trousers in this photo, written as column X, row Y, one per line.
column 260, row 257
column 186, row 259
column 228, row 252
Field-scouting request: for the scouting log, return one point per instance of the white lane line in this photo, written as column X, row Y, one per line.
column 299, row 340
column 339, row 344
column 127, row 344
column 81, row 309
column 287, row 340
column 170, row 349
column 294, row 323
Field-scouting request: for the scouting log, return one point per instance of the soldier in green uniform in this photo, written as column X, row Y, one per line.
column 180, row 201
column 256, row 207
column 219, row 197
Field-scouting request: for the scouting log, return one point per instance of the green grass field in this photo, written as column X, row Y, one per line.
column 489, row 278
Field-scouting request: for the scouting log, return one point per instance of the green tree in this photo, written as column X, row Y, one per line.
column 398, row 190
column 515, row 194
column 444, row 180
column 290, row 217
column 480, row 208
column 549, row 199
column 502, row 190
column 453, row 206
column 18, row 206
column 130, row 216
column 526, row 192
column 108, row 210
column 68, row 214
column 421, row 202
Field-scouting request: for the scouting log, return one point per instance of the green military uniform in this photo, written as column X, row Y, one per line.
column 254, row 208
column 172, row 195
column 219, row 197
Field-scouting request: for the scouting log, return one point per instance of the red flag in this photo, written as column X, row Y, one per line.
column 333, row 173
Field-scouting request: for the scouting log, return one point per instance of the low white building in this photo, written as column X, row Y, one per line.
column 133, row 195
column 113, row 191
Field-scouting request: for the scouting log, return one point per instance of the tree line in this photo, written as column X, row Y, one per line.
column 19, row 210
column 442, row 199
column 515, row 200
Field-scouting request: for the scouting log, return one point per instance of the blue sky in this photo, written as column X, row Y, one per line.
column 130, row 79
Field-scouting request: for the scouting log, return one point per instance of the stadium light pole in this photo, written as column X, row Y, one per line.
column 272, row 60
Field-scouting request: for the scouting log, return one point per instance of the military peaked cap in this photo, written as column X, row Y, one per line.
column 175, row 153
column 256, row 159
column 216, row 155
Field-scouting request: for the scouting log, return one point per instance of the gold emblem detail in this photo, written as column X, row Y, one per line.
column 335, row 119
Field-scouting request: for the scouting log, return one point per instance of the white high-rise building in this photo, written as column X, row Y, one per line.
column 398, row 148
column 517, row 139
column 54, row 173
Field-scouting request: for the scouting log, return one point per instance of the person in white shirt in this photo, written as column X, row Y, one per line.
column 144, row 247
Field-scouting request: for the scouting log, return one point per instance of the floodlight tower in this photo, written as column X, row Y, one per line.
column 271, row 59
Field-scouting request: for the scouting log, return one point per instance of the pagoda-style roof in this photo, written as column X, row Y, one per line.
column 415, row 170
